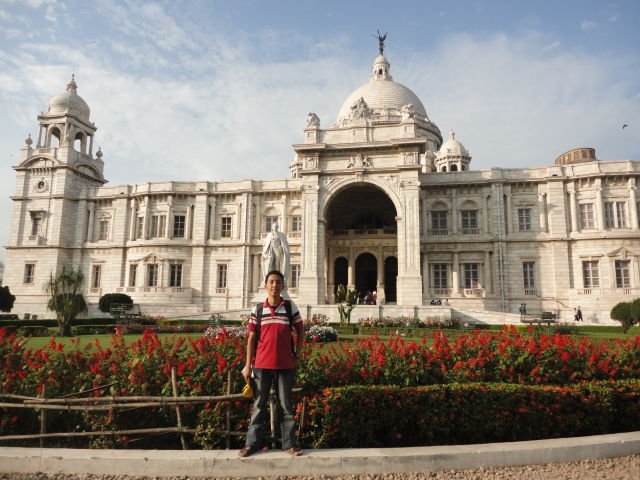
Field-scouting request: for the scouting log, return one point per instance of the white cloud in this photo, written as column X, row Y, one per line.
column 587, row 24
column 613, row 18
column 217, row 113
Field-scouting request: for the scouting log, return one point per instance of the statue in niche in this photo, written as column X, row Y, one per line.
column 360, row 109
column 312, row 120
column 407, row 111
column 276, row 254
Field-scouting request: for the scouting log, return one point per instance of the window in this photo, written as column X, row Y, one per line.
column 225, row 228
column 268, row 223
column 222, row 275
column 140, row 228
column 586, row 216
column 440, row 279
column 178, row 225
column 528, row 275
column 96, row 276
column 152, row 275
column 36, row 223
column 175, row 275
column 133, row 270
column 296, row 223
column 295, row 276
column 439, row 222
column 615, row 215
column 470, row 275
column 622, row 274
column 590, row 276
column 29, row 272
column 524, row 219
column 469, row 221
column 104, row 230
column 158, row 226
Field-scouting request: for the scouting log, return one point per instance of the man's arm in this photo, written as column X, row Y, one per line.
column 251, row 353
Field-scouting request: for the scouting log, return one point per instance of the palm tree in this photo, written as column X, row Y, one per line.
column 65, row 292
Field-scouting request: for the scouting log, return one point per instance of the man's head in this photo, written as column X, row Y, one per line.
column 274, row 227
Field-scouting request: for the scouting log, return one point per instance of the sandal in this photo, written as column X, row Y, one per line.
column 247, row 451
column 294, row 451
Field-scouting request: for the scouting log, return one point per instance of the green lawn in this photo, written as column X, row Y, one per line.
column 83, row 340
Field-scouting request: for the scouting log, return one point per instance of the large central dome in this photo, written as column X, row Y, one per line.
column 381, row 94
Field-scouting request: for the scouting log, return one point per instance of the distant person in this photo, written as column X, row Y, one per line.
column 521, row 309
column 446, row 302
column 579, row 314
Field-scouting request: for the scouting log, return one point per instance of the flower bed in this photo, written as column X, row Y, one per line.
column 202, row 365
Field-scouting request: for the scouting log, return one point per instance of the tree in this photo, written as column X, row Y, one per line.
column 109, row 299
column 347, row 300
column 6, row 299
column 65, row 297
column 622, row 313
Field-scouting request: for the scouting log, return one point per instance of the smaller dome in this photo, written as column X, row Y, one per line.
column 452, row 147
column 70, row 103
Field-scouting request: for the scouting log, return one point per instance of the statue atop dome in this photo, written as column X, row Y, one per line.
column 360, row 109
column 381, row 38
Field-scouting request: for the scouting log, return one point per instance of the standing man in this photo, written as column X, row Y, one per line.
column 521, row 309
column 271, row 353
column 579, row 314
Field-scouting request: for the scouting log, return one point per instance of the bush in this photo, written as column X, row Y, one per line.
column 104, row 304
column 6, row 299
column 349, row 417
column 622, row 313
column 321, row 334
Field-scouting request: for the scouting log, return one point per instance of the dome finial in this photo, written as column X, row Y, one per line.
column 452, row 135
column 381, row 38
column 72, row 86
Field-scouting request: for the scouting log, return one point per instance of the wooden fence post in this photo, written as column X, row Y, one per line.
column 228, row 429
column 174, row 386
column 43, row 418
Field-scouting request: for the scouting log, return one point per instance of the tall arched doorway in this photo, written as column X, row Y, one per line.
column 366, row 273
column 391, row 279
column 359, row 218
column 340, row 273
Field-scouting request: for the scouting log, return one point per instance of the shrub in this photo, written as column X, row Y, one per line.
column 349, row 417
column 6, row 299
column 622, row 313
column 104, row 304
column 321, row 334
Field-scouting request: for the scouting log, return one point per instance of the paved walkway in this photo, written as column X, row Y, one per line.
column 225, row 463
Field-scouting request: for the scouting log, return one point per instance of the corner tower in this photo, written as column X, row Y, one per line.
column 53, row 179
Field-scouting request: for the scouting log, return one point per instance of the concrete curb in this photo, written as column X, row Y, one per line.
column 225, row 463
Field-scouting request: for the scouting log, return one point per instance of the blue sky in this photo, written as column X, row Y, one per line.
column 213, row 90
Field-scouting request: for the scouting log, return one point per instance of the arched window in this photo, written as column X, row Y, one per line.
column 78, row 143
column 454, row 168
column 54, row 137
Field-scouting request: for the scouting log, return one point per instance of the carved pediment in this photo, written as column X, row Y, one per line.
column 622, row 253
column 151, row 258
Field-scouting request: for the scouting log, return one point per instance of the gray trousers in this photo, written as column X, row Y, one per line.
column 263, row 379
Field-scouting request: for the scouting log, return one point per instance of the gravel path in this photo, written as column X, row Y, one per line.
column 623, row 468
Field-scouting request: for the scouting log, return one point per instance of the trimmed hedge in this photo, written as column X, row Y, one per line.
column 382, row 416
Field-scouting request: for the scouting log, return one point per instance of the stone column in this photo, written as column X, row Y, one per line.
column 145, row 221
column 90, row 225
column 599, row 223
column 487, row 273
column 454, row 217
column 633, row 204
column 455, row 275
column 351, row 268
column 487, row 219
column 509, row 208
column 542, row 212
column 132, row 221
column 284, row 227
column 425, row 275
column 573, row 209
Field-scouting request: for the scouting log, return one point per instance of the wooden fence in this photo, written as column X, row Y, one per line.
column 105, row 403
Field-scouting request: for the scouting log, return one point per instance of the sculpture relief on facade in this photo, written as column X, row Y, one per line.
column 407, row 112
column 310, row 163
column 360, row 109
column 312, row 120
column 359, row 161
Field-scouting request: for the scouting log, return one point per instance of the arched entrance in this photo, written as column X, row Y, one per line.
column 391, row 279
column 340, row 273
column 366, row 273
column 360, row 227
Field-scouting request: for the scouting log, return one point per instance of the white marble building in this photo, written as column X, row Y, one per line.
column 376, row 200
